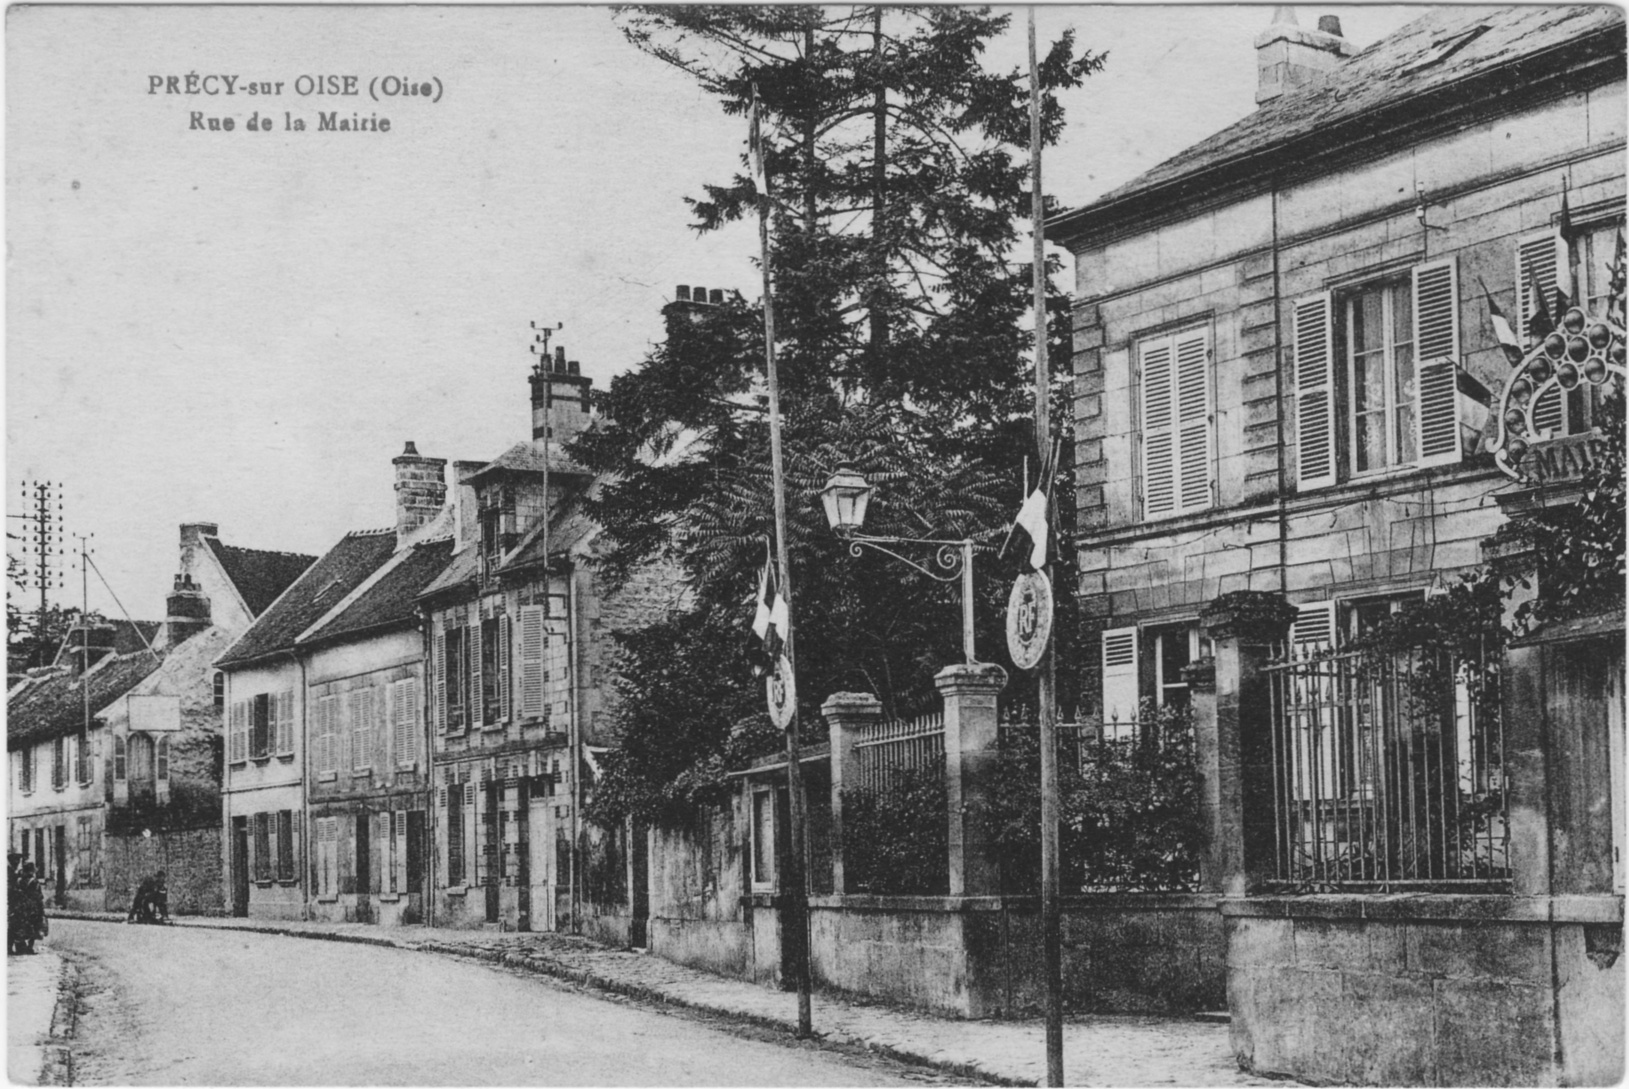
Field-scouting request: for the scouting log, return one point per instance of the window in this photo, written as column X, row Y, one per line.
column 763, row 838
column 327, row 755
column 260, row 726
column 85, row 844
column 237, row 737
column 220, row 690
column 83, row 765
column 1140, row 664
column 455, row 834
column 121, row 759
column 1377, row 365
column 1174, row 375
column 1174, row 649
column 284, row 730
column 1541, row 261
column 497, row 523
column 285, row 845
column 161, row 758
column 59, row 763
column 404, row 721
column 532, row 640
column 453, row 683
column 25, row 773
column 494, row 670
column 263, row 859
column 359, row 706
column 327, row 861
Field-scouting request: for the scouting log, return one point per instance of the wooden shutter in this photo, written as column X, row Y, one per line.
column 285, row 721
column 474, row 709
column 1121, row 680
column 1315, row 391
column 1155, row 364
column 503, row 667
column 378, row 843
column 328, row 749
column 379, row 698
column 531, row 661
column 438, row 680
column 1538, row 259
column 1436, row 361
column 296, row 844
column 1314, row 627
column 410, row 719
column 1191, row 392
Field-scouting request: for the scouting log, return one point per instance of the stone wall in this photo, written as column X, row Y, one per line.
column 190, row 859
column 699, row 914
column 1436, row 990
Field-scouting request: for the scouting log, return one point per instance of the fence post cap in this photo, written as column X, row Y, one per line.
column 851, row 705
column 971, row 675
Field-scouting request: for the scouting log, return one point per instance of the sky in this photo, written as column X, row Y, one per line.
column 245, row 327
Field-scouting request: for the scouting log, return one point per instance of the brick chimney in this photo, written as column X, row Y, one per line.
column 186, row 611
column 1288, row 58
column 421, row 490
column 559, row 399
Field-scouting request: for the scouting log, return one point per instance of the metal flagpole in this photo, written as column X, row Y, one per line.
column 795, row 892
column 1051, row 930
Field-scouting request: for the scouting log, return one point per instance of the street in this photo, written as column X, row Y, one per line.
column 179, row 1006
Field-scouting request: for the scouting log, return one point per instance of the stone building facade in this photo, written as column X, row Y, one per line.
column 1284, row 359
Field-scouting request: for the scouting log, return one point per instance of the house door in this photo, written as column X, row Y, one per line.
column 416, row 892
column 59, row 858
column 240, row 866
column 639, row 886
column 521, row 852
column 364, row 871
column 492, row 847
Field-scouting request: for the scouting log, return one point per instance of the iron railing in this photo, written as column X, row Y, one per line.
column 1388, row 772
column 883, row 749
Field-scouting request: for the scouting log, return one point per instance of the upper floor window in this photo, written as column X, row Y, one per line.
column 220, row 690
column 1174, row 378
column 59, row 763
column 452, row 678
column 25, row 773
column 1376, row 365
column 1541, row 266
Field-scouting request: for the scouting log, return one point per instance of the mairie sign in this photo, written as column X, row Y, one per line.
column 1561, row 460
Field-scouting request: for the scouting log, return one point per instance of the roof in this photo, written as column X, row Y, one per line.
column 53, row 705
column 130, row 636
column 322, row 586
column 567, row 529
column 260, row 576
column 1414, row 63
column 390, row 600
column 464, row 568
column 187, row 672
column 527, row 457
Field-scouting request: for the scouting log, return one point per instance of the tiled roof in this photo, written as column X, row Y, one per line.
column 54, row 705
column 128, row 634
column 391, row 600
column 341, row 570
column 1400, row 71
column 259, row 576
column 464, row 568
column 567, row 529
column 528, row 457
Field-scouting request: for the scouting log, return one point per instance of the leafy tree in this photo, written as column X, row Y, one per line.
column 898, row 172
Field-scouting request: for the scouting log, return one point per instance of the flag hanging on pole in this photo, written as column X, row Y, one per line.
column 770, row 617
column 755, row 148
column 1501, row 328
column 1617, row 279
column 1539, row 325
column 1032, row 517
column 1566, row 285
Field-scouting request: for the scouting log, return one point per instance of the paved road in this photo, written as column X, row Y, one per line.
column 176, row 1006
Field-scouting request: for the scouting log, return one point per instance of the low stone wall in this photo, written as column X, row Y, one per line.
column 980, row 956
column 1428, row 990
column 190, row 859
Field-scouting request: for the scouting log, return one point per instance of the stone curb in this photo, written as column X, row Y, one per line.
column 543, row 965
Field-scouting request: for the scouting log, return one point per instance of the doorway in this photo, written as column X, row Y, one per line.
column 240, row 866
column 364, row 872
column 59, row 858
column 639, row 886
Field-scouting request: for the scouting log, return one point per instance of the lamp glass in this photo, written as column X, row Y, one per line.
column 845, row 497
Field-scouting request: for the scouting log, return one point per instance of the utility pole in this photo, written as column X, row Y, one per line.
column 1051, row 922
column 84, row 640
column 42, row 549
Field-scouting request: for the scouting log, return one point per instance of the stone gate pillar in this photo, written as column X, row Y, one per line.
column 847, row 713
column 969, row 692
column 1233, row 740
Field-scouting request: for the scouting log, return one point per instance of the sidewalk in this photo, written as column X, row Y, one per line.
column 1098, row 1050
column 32, row 987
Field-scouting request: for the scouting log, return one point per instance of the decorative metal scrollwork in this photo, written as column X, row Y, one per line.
column 1582, row 349
column 948, row 558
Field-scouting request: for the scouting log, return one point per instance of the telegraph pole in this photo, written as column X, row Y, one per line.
column 1051, row 922
column 42, row 549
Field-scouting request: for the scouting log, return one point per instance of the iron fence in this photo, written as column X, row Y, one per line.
column 884, row 749
column 1388, row 772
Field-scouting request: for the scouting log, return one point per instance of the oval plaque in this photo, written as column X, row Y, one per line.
column 782, row 692
column 1029, row 619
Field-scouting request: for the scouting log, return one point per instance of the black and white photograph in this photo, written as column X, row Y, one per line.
column 854, row 545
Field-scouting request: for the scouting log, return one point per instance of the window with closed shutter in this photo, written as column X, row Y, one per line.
column 1176, row 422
column 472, row 679
column 262, row 847
column 1539, row 259
column 504, row 650
column 285, row 845
column 438, row 681
column 285, row 723
column 531, row 661
column 1121, row 681
column 1313, row 338
column 1436, row 354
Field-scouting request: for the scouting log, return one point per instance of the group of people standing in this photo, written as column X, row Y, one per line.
column 25, row 905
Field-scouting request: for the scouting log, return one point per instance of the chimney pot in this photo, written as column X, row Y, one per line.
column 699, row 294
column 716, row 296
column 1289, row 57
column 683, row 293
column 1330, row 24
column 559, row 353
column 410, row 451
column 575, row 369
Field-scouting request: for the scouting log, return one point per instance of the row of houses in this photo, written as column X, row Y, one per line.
column 396, row 731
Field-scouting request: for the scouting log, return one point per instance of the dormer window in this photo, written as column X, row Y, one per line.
column 498, row 535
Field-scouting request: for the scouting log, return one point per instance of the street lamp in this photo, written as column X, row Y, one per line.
column 846, row 497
